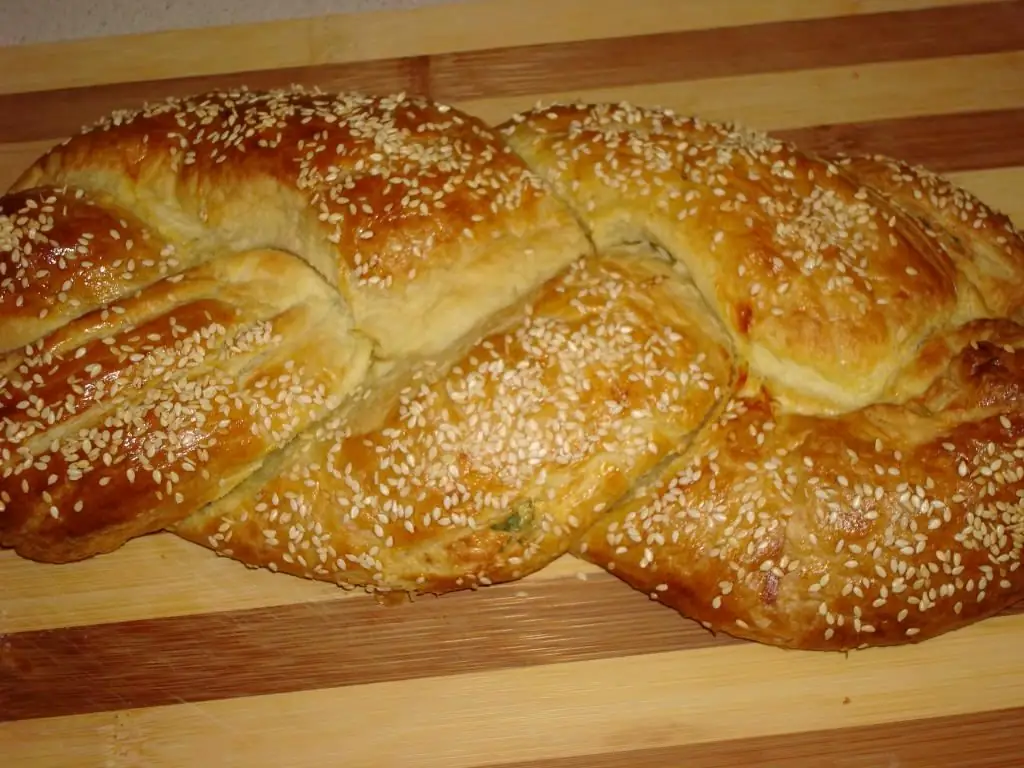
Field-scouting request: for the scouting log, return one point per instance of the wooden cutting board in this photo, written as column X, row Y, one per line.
column 164, row 655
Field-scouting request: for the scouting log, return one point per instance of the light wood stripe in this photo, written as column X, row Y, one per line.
column 778, row 101
column 1001, row 188
column 106, row 667
column 666, row 57
column 162, row 576
column 553, row 711
column 960, row 741
column 380, row 35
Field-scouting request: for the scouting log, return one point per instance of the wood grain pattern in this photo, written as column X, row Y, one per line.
column 975, row 140
column 169, row 577
column 332, row 644
column 673, row 57
column 819, row 96
column 971, row 741
column 98, row 668
column 792, row 100
column 729, row 51
column 421, row 32
column 163, row 655
column 552, row 711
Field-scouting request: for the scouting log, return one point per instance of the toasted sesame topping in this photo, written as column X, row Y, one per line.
column 595, row 379
column 62, row 254
column 159, row 404
column 388, row 181
column 793, row 240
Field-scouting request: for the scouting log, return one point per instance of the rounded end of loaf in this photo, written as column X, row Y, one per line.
column 136, row 415
column 889, row 525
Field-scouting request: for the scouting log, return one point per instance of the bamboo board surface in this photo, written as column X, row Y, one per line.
column 162, row 654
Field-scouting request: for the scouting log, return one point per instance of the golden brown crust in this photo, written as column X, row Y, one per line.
column 982, row 242
column 372, row 341
column 402, row 204
column 883, row 526
column 825, row 289
column 485, row 469
column 64, row 254
column 134, row 416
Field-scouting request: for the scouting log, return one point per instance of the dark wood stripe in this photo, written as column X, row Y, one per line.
column 707, row 53
column 971, row 141
column 330, row 644
column 979, row 740
column 326, row 644
column 730, row 51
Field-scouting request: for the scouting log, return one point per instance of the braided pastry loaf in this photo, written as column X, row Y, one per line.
column 373, row 341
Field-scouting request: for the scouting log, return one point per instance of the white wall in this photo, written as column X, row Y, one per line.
column 33, row 21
